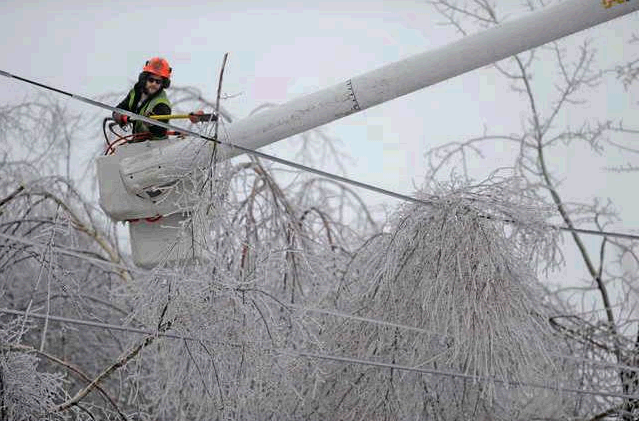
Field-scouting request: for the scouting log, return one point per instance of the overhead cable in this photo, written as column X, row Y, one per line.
column 323, row 311
column 447, row 337
column 336, row 358
column 65, row 251
column 362, row 319
column 282, row 161
column 97, row 324
column 483, row 379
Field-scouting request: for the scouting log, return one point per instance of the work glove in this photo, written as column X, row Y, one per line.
column 196, row 116
column 121, row 119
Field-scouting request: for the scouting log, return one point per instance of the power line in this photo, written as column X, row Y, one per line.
column 435, row 372
column 72, row 253
column 335, row 358
column 363, row 319
column 598, row 233
column 424, row 331
column 321, row 311
column 282, row 161
column 148, row 332
column 99, row 325
column 319, row 356
column 211, row 139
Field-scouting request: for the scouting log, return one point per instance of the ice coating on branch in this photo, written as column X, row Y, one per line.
column 462, row 270
column 26, row 392
column 232, row 306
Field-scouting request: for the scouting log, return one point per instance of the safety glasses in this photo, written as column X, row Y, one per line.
column 154, row 80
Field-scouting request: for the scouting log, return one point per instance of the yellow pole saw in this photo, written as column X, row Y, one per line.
column 196, row 117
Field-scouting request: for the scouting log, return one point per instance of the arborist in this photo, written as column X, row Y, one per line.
column 148, row 98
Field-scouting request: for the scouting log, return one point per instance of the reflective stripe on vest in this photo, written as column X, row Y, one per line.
column 140, row 126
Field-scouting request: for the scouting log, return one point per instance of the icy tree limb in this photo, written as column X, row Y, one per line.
column 121, row 362
column 70, row 367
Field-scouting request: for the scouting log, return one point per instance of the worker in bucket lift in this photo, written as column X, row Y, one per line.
column 148, row 98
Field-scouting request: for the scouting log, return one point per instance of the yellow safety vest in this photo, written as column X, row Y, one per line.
column 141, row 126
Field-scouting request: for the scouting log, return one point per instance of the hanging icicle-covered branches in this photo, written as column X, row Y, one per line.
column 463, row 270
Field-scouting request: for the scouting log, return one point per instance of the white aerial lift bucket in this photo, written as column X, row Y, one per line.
column 170, row 239
column 158, row 217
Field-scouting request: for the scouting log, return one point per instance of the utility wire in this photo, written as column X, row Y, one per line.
column 442, row 336
column 329, row 357
column 72, row 253
column 98, row 325
column 336, row 358
column 435, row 372
column 313, row 310
column 362, row 319
column 284, row 161
column 211, row 139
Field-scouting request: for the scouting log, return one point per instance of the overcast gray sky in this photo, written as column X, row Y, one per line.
column 281, row 49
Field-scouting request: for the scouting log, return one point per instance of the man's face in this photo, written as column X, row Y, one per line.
column 153, row 84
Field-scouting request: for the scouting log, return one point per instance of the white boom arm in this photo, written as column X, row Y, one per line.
column 129, row 180
column 381, row 85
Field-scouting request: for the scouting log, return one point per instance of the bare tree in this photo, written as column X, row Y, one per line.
column 302, row 304
column 270, row 242
column 57, row 256
column 601, row 338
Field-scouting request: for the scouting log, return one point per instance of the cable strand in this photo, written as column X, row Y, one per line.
column 282, row 161
column 314, row 310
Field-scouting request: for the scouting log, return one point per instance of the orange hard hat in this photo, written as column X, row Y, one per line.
column 159, row 67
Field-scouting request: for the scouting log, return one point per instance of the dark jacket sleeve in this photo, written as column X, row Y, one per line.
column 124, row 104
column 160, row 109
